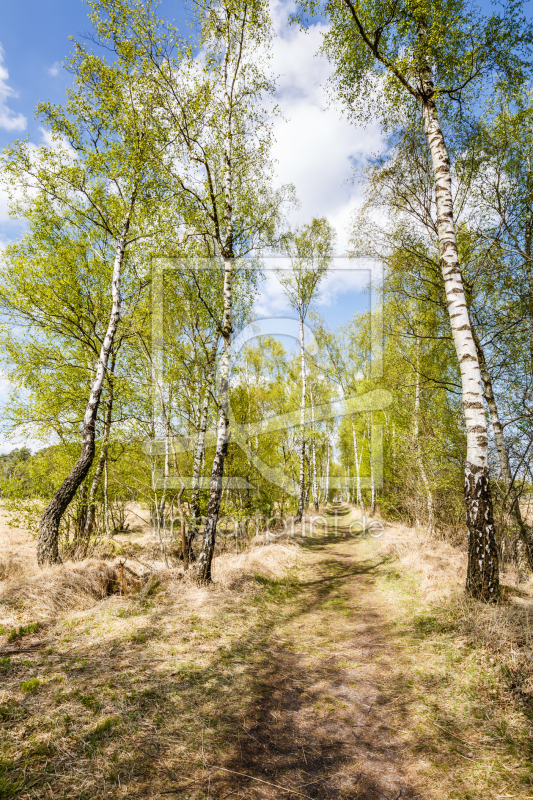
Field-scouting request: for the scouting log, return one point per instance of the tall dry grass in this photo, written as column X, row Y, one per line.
column 504, row 629
column 28, row 593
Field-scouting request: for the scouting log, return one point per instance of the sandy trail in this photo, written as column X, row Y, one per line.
column 320, row 726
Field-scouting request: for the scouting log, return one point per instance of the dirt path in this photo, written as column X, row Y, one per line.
column 320, row 725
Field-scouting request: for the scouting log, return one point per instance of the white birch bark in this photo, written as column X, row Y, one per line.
column 418, row 448
column 371, row 460
column 301, row 495
column 106, row 506
column 47, row 545
column 199, row 452
column 215, row 490
column 313, row 450
column 357, row 458
column 326, row 481
column 503, row 456
column 482, row 575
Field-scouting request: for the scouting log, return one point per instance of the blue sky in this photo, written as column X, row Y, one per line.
column 35, row 40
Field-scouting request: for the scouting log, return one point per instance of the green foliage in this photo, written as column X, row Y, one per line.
column 23, row 630
column 30, row 685
column 384, row 51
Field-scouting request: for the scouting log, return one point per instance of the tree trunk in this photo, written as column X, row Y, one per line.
column 529, row 274
column 326, row 481
column 371, row 462
column 482, row 576
column 360, row 501
column 313, row 452
column 215, row 492
column 106, row 506
column 199, row 456
column 91, row 512
column 418, row 448
column 301, row 496
column 48, row 542
column 503, row 455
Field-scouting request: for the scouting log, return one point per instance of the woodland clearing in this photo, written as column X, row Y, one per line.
column 335, row 666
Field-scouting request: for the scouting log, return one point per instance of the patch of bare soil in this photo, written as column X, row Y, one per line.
column 319, row 726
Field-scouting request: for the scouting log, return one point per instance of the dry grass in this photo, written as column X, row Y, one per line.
column 121, row 690
column 344, row 667
column 506, row 629
column 56, row 590
column 467, row 684
column 439, row 567
column 236, row 571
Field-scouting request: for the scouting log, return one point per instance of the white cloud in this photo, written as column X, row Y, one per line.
column 315, row 146
column 58, row 143
column 9, row 120
column 345, row 279
column 4, row 214
column 55, row 69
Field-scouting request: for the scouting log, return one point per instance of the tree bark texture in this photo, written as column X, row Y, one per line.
column 313, row 453
column 99, row 471
column 205, row 558
column 482, row 580
column 503, row 455
column 301, row 494
column 48, row 542
column 198, row 458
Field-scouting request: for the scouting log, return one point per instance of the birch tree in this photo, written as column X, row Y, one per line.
column 219, row 165
column 425, row 56
column 310, row 251
column 95, row 174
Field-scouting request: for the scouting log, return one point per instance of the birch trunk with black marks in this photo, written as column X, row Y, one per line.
column 301, row 494
column 199, row 457
column 482, row 575
column 325, row 495
column 215, row 489
column 106, row 503
column 418, row 448
column 226, row 244
column 371, row 460
column 529, row 274
column 313, row 451
column 48, row 542
column 503, row 455
column 99, row 471
column 357, row 459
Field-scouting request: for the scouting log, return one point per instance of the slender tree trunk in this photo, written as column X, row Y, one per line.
column 418, row 448
column 215, row 492
column 326, row 481
column 48, row 544
column 227, row 249
column 301, row 496
column 91, row 512
column 529, row 274
column 482, row 575
column 360, row 501
column 313, row 452
column 199, row 456
column 503, row 455
column 106, row 505
column 371, row 461
column 161, row 508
